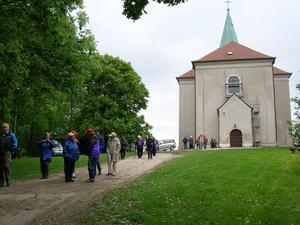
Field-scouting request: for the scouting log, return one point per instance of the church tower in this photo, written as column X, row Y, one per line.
column 235, row 95
column 229, row 34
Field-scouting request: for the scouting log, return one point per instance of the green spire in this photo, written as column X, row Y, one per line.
column 228, row 32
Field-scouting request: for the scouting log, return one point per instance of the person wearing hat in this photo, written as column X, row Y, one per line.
column 75, row 135
column 71, row 155
column 89, row 144
column 113, row 149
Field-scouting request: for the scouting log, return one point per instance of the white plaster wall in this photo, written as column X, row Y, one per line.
column 283, row 109
column 186, row 109
column 257, row 79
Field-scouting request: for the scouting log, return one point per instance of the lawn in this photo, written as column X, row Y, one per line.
column 27, row 168
column 229, row 187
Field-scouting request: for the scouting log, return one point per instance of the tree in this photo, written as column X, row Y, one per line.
column 134, row 9
column 44, row 55
column 295, row 125
column 48, row 62
column 114, row 96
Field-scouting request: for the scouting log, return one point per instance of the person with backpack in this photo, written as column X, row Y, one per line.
column 9, row 143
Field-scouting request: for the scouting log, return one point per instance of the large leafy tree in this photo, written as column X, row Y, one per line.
column 114, row 97
column 49, row 64
column 44, row 52
column 134, row 9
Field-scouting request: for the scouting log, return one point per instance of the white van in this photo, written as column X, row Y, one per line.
column 167, row 144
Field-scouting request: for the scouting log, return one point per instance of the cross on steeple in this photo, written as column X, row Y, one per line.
column 227, row 2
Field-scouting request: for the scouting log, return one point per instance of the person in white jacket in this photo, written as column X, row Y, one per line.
column 113, row 149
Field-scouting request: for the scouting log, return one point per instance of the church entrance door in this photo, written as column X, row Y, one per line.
column 236, row 138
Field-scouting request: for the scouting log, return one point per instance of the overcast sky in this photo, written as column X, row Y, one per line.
column 162, row 44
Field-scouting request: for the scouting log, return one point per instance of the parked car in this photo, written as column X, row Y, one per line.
column 58, row 149
column 167, row 144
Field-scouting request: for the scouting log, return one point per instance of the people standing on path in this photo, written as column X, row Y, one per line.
column 185, row 141
column 93, row 158
column 191, row 142
column 197, row 142
column 9, row 143
column 205, row 141
column 124, row 145
column 113, row 149
column 75, row 139
column 71, row 155
column 201, row 138
column 90, row 146
column 101, row 147
column 46, row 148
column 150, row 146
column 139, row 146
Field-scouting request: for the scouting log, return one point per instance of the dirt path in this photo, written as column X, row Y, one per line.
column 53, row 201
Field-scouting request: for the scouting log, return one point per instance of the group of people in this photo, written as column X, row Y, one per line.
column 90, row 144
column 151, row 146
column 201, row 142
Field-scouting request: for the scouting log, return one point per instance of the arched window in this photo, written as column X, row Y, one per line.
column 233, row 85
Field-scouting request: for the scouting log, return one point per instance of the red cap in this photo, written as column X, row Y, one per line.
column 89, row 130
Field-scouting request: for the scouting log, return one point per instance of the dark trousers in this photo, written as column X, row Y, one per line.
column 5, row 161
column 92, row 164
column 44, row 168
column 185, row 145
column 140, row 152
column 69, row 168
column 154, row 151
column 99, row 165
column 123, row 153
column 150, row 153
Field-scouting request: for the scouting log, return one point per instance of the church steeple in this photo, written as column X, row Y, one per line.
column 229, row 34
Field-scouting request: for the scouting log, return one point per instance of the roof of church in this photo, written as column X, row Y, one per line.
column 277, row 71
column 188, row 74
column 234, row 95
column 233, row 51
column 229, row 34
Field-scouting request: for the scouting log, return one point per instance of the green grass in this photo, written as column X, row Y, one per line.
column 230, row 187
column 27, row 168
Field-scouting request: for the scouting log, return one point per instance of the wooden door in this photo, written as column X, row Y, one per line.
column 236, row 138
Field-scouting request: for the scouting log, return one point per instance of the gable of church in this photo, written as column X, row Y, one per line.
column 235, row 117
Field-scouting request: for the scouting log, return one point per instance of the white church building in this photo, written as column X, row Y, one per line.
column 236, row 95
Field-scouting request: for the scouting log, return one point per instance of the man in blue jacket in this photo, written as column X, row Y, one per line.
column 71, row 155
column 8, row 144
